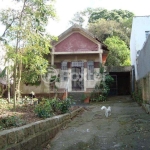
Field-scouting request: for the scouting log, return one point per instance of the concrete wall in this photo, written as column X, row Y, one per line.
column 144, row 85
column 36, row 135
column 118, row 68
column 143, row 60
column 140, row 24
column 42, row 88
column 143, row 70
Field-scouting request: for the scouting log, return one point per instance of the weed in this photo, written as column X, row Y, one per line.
column 137, row 96
column 10, row 121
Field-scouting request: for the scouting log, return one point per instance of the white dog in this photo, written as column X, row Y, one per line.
column 107, row 110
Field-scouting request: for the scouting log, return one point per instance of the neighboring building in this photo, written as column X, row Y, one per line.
column 143, row 70
column 76, row 57
column 139, row 34
column 140, row 54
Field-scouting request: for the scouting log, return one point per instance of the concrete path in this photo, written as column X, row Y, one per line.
column 128, row 128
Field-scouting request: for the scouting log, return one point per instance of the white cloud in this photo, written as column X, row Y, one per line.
column 4, row 4
column 67, row 8
column 140, row 7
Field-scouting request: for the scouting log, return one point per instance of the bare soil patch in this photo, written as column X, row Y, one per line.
column 25, row 114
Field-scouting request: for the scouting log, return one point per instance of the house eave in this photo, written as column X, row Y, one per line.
column 73, row 53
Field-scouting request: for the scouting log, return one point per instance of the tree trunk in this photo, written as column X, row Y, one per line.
column 19, row 80
column 14, row 85
column 16, row 62
column 8, row 83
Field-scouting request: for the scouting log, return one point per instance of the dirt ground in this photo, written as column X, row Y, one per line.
column 128, row 128
column 24, row 112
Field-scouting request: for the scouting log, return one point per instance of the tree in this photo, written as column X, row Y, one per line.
column 5, row 74
column 98, row 14
column 2, row 71
column 27, row 42
column 103, row 23
column 81, row 17
column 119, row 54
column 77, row 19
column 103, row 29
column 116, row 15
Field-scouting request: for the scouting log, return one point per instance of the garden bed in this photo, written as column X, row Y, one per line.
column 24, row 114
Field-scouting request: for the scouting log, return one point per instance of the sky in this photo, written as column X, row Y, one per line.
column 65, row 10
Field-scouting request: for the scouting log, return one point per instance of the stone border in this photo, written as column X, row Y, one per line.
column 35, row 135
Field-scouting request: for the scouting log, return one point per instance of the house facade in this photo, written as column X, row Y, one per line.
column 74, row 58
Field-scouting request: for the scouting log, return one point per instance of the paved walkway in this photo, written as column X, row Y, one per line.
column 128, row 128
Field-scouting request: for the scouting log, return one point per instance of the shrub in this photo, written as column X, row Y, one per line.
column 10, row 121
column 48, row 107
column 44, row 109
column 54, row 104
column 64, row 105
column 102, row 88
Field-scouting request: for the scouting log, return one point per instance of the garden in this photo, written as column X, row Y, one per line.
column 30, row 110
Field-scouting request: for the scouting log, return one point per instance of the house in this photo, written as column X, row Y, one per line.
column 75, row 57
column 139, row 34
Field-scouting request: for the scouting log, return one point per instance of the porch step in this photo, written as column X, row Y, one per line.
column 77, row 97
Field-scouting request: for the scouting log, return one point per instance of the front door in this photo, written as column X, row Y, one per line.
column 77, row 76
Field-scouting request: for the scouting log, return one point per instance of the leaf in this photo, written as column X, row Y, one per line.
column 3, row 73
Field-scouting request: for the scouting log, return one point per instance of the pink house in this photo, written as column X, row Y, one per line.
column 76, row 57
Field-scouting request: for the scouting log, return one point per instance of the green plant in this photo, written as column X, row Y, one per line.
column 48, row 107
column 102, row 98
column 84, row 96
column 44, row 109
column 102, row 87
column 64, row 105
column 54, row 104
column 145, row 101
column 109, row 80
column 137, row 96
column 11, row 121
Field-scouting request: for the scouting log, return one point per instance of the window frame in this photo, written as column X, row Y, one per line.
column 64, row 71
column 90, row 69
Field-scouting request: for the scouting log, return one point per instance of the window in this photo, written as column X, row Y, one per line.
column 147, row 34
column 64, row 71
column 90, row 70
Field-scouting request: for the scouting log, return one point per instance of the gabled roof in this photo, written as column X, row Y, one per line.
column 77, row 28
